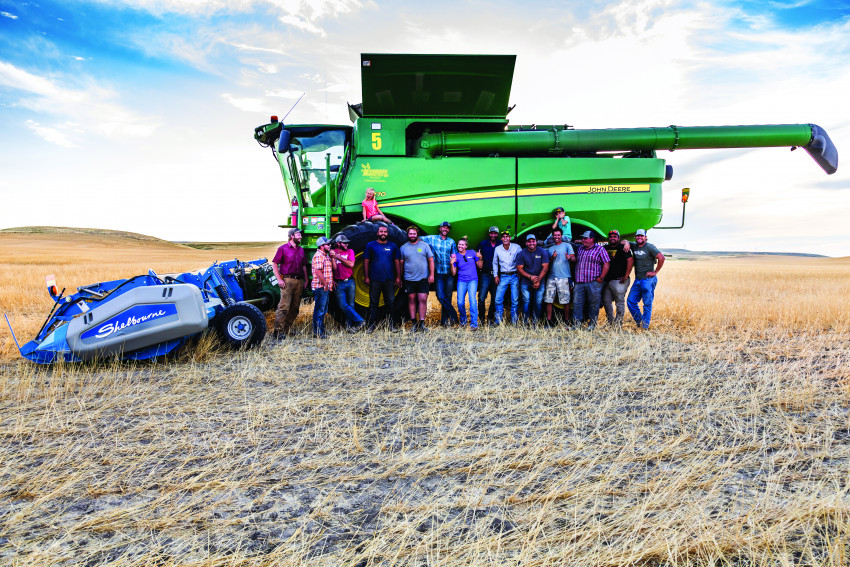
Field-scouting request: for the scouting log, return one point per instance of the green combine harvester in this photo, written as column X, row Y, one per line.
column 432, row 138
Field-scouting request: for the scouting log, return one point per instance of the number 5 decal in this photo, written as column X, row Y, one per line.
column 376, row 140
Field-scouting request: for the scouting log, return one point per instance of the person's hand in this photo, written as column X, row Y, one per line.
column 496, row 279
column 554, row 254
column 536, row 285
column 398, row 282
column 626, row 246
column 331, row 285
column 536, row 281
column 366, row 280
column 454, row 258
column 624, row 279
column 431, row 279
column 479, row 254
column 599, row 279
column 651, row 274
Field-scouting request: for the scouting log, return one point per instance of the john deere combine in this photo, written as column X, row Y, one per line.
column 432, row 137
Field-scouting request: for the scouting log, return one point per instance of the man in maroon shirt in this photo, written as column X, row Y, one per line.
column 290, row 269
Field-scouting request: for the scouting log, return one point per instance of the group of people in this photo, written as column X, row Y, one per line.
column 518, row 280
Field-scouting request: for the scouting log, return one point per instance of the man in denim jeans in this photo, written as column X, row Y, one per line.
column 646, row 255
column 532, row 264
column 486, row 284
column 592, row 264
column 505, row 276
column 322, row 285
column 343, row 260
column 443, row 248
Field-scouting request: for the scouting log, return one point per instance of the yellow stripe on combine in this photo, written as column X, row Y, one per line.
column 536, row 192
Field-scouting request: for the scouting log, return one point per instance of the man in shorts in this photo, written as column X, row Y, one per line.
column 558, row 285
column 417, row 267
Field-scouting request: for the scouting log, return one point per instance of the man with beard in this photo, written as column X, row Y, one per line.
column 382, row 270
column 532, row 264
column 290, row 269
column 322, row 285
column 617, row 278
column 592, row 264
column 486, row 283
column 646, row 255
column 344, row 283
column 417, row 266
column 443, row 248
column 558, row 285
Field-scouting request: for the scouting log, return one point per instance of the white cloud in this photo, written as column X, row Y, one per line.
column 248, row 104
column 8, row 15
column 302, row 24
column 93, row 106
column 284, row 93
column 52, row 135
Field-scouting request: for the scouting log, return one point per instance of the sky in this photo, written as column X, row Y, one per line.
column 138, row 115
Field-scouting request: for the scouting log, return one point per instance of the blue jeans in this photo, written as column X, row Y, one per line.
column 445, row 287
column 486, row 285
column 586, row 295
column 505, row 282
column 642, row 290
column 320, row 307
column 470, row 288
column 345, row 300
column 532, row 299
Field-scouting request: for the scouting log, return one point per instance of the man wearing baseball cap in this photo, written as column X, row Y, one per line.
column 343, row 259
column 443, row 248
column 592, row 264
column 290, row 269
column 486, row 284
column 322, row 285
column 617, row 278
column 646, row 270
column 505, row 275
column 532, row 264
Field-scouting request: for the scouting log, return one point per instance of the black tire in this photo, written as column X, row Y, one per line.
column 241, row 326
column 359, row 235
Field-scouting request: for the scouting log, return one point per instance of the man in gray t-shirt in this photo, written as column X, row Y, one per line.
column 558, row 284
column 417, row 268
column 648, row 261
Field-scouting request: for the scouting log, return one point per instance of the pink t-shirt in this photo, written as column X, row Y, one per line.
column 341, row 271
column 371, row 207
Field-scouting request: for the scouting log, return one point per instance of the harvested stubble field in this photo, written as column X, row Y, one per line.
column 721, row 437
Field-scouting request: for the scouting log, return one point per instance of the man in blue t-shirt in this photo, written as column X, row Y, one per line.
column 382, row 269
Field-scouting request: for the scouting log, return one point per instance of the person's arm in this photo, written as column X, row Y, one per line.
column 604, row 273
column 496, row 266
column 453, row 264
column 304, row 268
column 630, row 262
column 430, row 269
column 660, row 260
column 364, row 211
column 276, row 269
column 555, row 224
column 543, row 272
column 626, row 246
column 479, row 262
column 521, row 269
column 320, row 274
column 366, row 271
column 345, row 261
column 397, row 272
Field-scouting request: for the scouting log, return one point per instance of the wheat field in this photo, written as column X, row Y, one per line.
column 719, row 437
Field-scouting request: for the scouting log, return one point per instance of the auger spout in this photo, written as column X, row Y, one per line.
column 560, row 141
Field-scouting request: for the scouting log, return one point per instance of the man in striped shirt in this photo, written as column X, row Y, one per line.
column 322, row 285
column 592, row 263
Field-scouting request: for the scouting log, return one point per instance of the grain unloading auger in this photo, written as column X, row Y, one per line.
column 432, row 137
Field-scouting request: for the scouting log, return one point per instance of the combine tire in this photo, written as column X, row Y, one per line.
column 241, row 326
column 359, row 235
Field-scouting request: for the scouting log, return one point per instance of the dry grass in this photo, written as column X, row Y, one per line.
column 722, row 437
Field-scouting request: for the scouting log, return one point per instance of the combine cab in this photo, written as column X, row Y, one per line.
column 433, row 139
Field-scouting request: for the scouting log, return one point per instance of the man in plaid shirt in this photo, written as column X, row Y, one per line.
column 444, row 281
column 591, row 267
column 323, row 284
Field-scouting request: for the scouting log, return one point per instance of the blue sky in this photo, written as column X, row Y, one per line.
column 138, row 114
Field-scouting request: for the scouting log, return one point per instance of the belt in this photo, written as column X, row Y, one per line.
column 292, row 276
column 341, row 281
column 508, row 274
